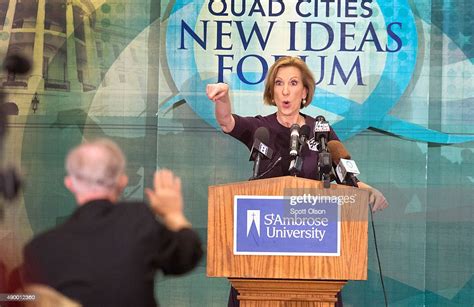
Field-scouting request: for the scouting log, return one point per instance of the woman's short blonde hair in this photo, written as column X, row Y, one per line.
column 308, row 78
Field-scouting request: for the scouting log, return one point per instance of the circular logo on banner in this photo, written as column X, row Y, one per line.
column 362, row 54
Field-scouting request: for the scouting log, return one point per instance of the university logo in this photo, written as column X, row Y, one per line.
column 253, row 222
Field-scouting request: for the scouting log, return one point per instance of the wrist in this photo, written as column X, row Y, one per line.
column 176, row 222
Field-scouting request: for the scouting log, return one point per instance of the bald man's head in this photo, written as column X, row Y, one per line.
column 95, row 166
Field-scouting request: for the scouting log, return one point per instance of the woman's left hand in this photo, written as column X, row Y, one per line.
column 377, row 200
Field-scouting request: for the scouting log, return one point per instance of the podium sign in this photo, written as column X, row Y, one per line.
column 277, row 225
column 287, row 241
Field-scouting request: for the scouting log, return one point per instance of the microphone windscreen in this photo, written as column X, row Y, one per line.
column 338, row 151
column 295, row 127
column 320, row 118
column 17, row 64
column 305, row 130
column 262, row 134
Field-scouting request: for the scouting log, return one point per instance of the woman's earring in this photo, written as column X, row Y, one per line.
column 303, row 102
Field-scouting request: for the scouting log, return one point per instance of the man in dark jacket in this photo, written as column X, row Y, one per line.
column 107, row 252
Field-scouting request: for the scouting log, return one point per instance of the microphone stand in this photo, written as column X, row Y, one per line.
column 256, row 166
column 295, row 166
column 324, row 164
column 259, row 151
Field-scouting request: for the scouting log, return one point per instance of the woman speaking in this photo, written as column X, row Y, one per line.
column 289, row 86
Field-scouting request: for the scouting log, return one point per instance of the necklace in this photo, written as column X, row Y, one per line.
column 300, row 121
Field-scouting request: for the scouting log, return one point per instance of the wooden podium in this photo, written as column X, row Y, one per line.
column 268, row 280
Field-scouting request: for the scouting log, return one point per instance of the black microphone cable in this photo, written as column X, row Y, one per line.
column 272, row 166
column 378, row 256
column 339, row 151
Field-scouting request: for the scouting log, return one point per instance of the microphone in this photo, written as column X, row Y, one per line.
column 294, row 139
column 10, row 181
column 321, row 134
column 320, row 118
column 346, row 169
column 296, row 165
column 321, row 131
column 304, row 135
column 260, row 149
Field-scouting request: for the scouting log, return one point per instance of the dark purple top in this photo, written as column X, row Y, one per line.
column 280, row 143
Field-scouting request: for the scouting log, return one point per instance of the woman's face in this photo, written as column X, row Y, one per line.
column 288, row 90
